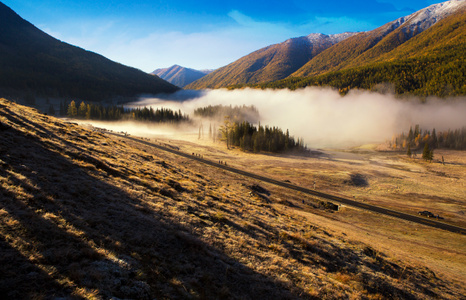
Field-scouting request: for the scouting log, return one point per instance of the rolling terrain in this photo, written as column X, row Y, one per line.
column 33, row 62
column 88, row 215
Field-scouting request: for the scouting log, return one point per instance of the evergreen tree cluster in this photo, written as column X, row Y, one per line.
column 117, row 113
column 417, row 138
column 261, row 138
column 234, row 113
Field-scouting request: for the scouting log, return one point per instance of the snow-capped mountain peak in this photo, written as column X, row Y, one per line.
column 425, row 18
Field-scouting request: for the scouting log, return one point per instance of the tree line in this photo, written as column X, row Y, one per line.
column 259, row 138
column 417, row 138
column 234, row 113
column 92, row 111
column 427, row 140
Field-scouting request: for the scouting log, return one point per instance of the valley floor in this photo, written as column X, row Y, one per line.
column 383, row 178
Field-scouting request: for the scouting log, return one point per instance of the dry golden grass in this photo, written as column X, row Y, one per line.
column 86, row 215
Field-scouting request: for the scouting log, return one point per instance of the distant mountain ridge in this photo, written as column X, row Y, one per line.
column 391, row 45
column 180, row 76
column 34, row 62
column 369, row 46
column 432, row 63
column 270, row 63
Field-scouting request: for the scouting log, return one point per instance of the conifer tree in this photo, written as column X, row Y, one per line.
column 434, row 139
column 409, row 151
column 82, row 110
column 72, row 110
column 427, row 154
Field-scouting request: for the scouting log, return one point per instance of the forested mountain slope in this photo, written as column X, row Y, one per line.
column 430, row 63
column 380, row 44
column 32, row 61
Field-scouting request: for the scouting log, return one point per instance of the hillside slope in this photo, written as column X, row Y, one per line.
column 430, row 63
column 32, row 61
column 274, row 62
column 88, row 216
column 180, row 76
column 373, row 46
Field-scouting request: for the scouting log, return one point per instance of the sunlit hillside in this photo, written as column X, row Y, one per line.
column 431, row 63
column 87, row 215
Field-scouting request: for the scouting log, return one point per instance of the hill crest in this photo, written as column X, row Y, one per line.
column 34, row 62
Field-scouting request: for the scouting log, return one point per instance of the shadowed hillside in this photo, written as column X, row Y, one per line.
column 89, row 216
column 31, row 61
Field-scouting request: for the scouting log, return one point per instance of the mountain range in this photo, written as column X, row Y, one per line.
column 270, row 63
column 422, row 53
column 180, row 76
column 34, row 62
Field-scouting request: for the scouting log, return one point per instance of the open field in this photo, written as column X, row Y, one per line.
column 88, row 215
column 382, row 178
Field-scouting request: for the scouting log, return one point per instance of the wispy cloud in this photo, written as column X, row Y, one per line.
column 148, row 50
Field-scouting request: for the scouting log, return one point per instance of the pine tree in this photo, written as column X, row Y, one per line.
column 409, row 151
column 72, row 110
column 427, row 154
column 434, row 139
column 82, row 110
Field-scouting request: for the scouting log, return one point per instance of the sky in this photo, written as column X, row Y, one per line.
column 201, row 34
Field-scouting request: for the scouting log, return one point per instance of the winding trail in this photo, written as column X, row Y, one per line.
column 349, row 202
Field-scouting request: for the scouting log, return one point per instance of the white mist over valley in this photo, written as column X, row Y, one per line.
column 321, row 116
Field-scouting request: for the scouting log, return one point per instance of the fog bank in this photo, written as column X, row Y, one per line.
column 324, row 118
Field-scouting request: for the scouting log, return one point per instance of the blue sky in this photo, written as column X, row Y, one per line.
column 201, row 34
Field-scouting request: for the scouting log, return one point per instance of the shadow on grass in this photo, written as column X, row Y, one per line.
column 77, row 236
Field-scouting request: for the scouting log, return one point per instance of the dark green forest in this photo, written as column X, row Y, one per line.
column 120, row 113
column 260, row 138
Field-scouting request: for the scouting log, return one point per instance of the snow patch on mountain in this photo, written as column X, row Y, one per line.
column 427, row 17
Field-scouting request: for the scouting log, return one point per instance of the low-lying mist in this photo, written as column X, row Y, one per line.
column 326, row 119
